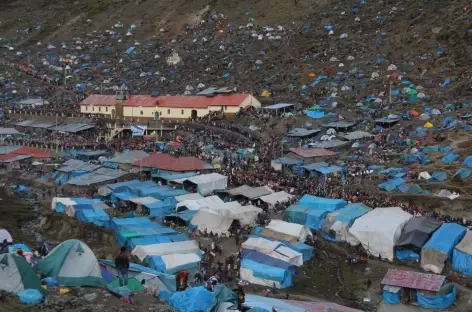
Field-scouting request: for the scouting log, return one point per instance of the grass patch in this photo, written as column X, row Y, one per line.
column 14, row 215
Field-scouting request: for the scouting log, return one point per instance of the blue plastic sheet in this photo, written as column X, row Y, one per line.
column 449, row 158
column 438, row 302
column 463, row 174
column 446, row 238
column 390, row 297
column 462, row 262
column 30, row 296
column 267, row 272
column 406, row 255
column 196, row 299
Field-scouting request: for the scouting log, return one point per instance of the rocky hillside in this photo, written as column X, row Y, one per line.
column 278, row 46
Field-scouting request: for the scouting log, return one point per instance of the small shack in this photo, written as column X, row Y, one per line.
column 429, row 291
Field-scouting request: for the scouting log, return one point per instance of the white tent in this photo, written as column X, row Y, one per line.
column 189, row 196
column 291, row 229
column 66, row 201
column 424, row 175
column 207, row 183
column 278, row 197
column 144, row 200
column 274, row 249
column 246, row 215
column 16, row 274
column 196, row 204
column 184, row 247
column 217, row 222
column 175, row 261
column 379, row 229
column 5, row 235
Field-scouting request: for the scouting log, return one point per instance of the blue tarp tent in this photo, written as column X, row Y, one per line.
column 337, row 223
column 438, row 249
column 156, row 239
column 438, row 176
column 311, row 217
column 306, row 250
column 468, row 162
column 161, row 209
column 449, row 158
column 392, row 184
column 327, row 204
column 162, row 192
column 117, row 222
column 182, row 217
column 259, row 257
column 391, row 294
column 462, row 255
column 125, row 233
column 266, row 275
column 187, row 262
column 122, row 186
column 463, row 174
column 96, row 216
column 444, row 299
column 196, row 299
column 124, row 196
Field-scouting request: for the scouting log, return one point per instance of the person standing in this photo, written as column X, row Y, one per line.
column 122, row 266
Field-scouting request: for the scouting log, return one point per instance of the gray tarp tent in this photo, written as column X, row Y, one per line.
column 417, row 232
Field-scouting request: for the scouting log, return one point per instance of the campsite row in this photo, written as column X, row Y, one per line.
column 387, row 233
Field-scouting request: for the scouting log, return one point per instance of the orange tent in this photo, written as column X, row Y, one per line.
column 414, row 113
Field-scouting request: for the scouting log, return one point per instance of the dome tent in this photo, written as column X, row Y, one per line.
column 4, row 234
column 16, row 274
column 72, row 263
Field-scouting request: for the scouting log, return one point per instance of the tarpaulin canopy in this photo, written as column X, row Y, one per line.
column 462, row 255
column 439, row 247
column 379, row 229
column 337, row 223
column 417, row 232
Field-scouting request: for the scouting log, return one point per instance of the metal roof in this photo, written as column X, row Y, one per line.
column 34, row 124
column 6, row 149
column 141, row 100
column 329, row 144
column 312, row 152
column 72, row 128
column 201, row 101
column 279, row 106
column 414, row 280
column 357, row 135
column 239, row 190
column 212, row 90
column 8, row 158
column 300, row 132
column 93, row 153
column 32, row 101
column 77, row 165
column 128, row 157
column 339, row 124
column 100, row 100
column 256, row 192
column 171, row 163
column 98, row 176
column 8, row 131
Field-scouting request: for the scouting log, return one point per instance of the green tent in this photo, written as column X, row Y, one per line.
column 133, row 284
column 16, row 274
column 72, row 263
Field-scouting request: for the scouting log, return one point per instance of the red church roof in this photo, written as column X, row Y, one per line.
column 179, row 101
column 170, row 163
column 201, row 101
